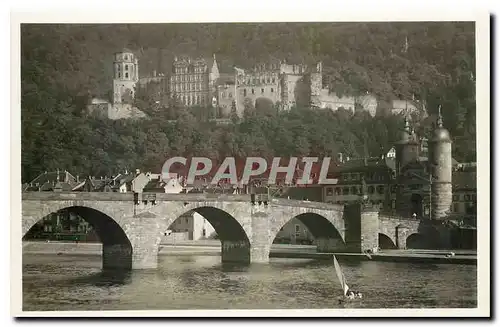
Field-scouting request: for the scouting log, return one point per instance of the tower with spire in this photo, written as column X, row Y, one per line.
column 440, row 167
column 407, row 148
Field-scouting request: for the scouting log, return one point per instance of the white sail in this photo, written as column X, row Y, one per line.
column 340, row 276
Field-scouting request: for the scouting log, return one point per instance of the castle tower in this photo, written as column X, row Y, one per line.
column 126, row 76
column 440, row 167
column 407, row 148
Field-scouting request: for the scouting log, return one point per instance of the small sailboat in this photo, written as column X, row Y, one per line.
column 343, row 282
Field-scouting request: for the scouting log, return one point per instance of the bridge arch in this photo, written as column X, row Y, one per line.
column 427, row 236
column 386, row 242
column 232, row 232
column 325, row 226
column 117, row 251
column 415, row 241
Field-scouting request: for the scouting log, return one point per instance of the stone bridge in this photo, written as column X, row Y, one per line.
column 131, row 228
column 398, row 230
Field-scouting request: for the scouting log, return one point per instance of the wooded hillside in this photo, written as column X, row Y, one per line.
column 62, row 66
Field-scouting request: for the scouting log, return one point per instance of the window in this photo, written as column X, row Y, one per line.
column 230, row 95
column 371, row 189
column 268, row 80
column 126, row 67
column 338, row 191
column 456, row 197
column 297, row 230
column 380, row 189
column 262, row 91
column 346, row 190
column 126, row 57
column 329, row 191
column 119, row 67
column 354, row 190
column 253, row 91
column 274, row 80
column 272, row 90
column 119, row 75
column 126, row 75
column 456, row 207
column 467, row 197
column 244, row 92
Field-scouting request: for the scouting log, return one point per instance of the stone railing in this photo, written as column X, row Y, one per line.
column 129, row 196
column 307, row 204
column 163, row 197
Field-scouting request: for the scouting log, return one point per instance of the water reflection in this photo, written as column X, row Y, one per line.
column 203, row 282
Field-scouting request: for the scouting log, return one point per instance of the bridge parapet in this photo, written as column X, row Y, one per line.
column 307, row 204
column 195, row 197
column 129, row 196
column 84, row 196
column 393, row 221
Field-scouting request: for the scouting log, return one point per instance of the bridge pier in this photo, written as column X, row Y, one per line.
column 369, row 227
column 362, row 227
column 116, row 257
column 401, row 236
column 145, row 236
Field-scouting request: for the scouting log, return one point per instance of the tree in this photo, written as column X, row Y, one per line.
column 234, row 114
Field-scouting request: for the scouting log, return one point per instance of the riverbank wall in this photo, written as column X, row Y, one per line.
column 213, row 248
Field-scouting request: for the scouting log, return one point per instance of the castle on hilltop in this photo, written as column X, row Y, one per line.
column 198, row 82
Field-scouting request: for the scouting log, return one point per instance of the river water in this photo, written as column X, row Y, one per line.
column 66, row 282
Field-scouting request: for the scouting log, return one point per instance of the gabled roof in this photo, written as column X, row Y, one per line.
column 94, row 185
column 54, row 176
column 154, row 184
column 124, row 179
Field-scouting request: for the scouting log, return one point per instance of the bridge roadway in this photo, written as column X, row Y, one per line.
column 131, row 231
